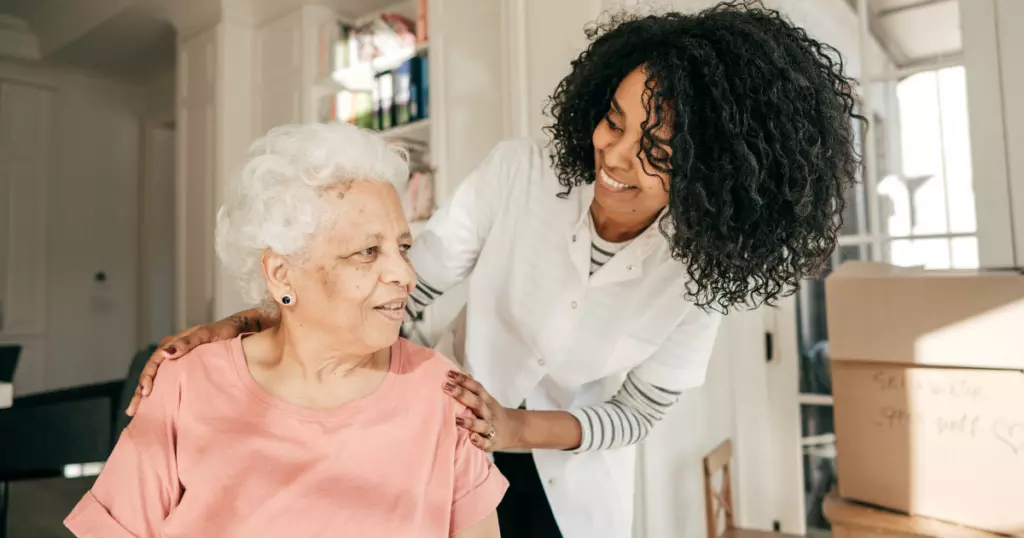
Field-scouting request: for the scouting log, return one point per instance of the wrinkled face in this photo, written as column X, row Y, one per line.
column 355, row 277
column 626, row 183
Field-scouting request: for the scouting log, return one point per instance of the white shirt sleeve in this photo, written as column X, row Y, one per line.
column 652, row 388
column 446, row 251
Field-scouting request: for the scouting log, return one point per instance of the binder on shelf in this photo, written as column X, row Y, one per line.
column 415, row 68
column 386, row 81
column 424, row 80
column 375, row 111
column 403, row 82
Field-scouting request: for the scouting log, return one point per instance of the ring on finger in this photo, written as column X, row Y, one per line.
column 490, row 434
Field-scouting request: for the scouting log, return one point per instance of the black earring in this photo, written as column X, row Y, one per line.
column 286, row 299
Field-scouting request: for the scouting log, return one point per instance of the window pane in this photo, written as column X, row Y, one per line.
column 956, row 144
column 854, row 252
column 965, row 252
column 923, row 182
column 816, row 419
column 852, row 211
column 930, row 253
column 819, row 465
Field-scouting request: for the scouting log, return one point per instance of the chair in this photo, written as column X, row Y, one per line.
column 121, row 420
column 719, row 502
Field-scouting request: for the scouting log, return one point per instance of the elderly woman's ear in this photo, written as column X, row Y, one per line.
column 276, row 269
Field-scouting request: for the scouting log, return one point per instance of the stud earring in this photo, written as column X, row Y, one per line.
column 286, row 299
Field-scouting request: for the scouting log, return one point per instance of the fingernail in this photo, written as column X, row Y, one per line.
column 474, row 439
column 448, row 387
column 453, row 374
column 170, row 350
column 460, row 421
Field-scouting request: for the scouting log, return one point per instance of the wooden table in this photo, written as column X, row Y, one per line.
column 855, row 520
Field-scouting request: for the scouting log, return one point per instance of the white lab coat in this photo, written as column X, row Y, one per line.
column 540, row 328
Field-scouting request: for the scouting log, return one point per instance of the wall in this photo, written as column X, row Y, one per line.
column 156, row 212
column 92, row 216
column 995, row 79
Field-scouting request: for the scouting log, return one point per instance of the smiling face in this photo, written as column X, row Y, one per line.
column 627, row 185
column 354, row 278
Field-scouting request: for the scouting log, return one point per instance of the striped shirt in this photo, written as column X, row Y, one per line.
column 631, row 414
column 600, row 250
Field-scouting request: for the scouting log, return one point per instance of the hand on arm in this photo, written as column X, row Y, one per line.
column 175, row 346
column 495, row 427
column 650, row 390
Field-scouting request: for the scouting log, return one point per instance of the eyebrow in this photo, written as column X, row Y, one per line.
column 616, row 107
column 406, row 235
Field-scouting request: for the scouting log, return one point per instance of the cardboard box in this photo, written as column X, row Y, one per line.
column 929, row 391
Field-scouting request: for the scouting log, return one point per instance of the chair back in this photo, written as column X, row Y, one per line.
column 718, row 502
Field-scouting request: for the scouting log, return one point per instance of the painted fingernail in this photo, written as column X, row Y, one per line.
column 460, row 421
column 475, row 440
column 448, row 387
column 170, row 350
column 453, row 374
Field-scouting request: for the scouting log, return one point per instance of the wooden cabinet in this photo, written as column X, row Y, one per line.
column 24, row 143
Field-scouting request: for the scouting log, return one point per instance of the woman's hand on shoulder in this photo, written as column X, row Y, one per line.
column 175, row 346
column 492, row 426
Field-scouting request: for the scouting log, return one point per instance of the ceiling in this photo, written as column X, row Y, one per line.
column 133, row 38
column 117, row 37
column 915, row 32
column 106, row 47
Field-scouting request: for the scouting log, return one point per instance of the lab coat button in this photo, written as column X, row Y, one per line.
column 541, row 361
column 574, row 305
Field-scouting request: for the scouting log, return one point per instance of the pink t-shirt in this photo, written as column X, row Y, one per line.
column 210, row 453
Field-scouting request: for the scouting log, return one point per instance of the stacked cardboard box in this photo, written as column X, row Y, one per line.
column 929, row 391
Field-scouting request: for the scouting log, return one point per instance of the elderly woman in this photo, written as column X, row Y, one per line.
column 327, row 424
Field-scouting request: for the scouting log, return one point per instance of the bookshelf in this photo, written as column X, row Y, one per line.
column 373, row 69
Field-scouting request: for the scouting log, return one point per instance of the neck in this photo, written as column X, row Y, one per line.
column 619, row 227
column 319, row 355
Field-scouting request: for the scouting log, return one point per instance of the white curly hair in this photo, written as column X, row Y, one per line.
column 275, row 203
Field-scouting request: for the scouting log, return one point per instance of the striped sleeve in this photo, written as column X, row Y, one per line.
column 627, row 418
column 422, row 296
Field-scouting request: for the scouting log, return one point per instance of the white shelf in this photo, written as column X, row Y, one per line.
column 418, row 130
column 360, row 77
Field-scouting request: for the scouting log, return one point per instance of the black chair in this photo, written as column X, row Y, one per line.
column 42, row 433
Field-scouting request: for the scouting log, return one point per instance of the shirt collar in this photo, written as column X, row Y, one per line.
column 641, row 246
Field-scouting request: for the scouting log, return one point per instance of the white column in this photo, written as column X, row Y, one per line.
column 234, row 135
column 214, row 131
column 195, row 170
column 994, row 74
column 1010, row 19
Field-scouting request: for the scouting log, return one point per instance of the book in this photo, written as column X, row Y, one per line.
column 424, row 85
column 375, row 114
column 386, row 80
column 403, row 81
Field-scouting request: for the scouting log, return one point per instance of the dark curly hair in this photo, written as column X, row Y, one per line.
column 763, row 146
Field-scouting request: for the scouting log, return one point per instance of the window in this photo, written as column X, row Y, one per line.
column 925, row 215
